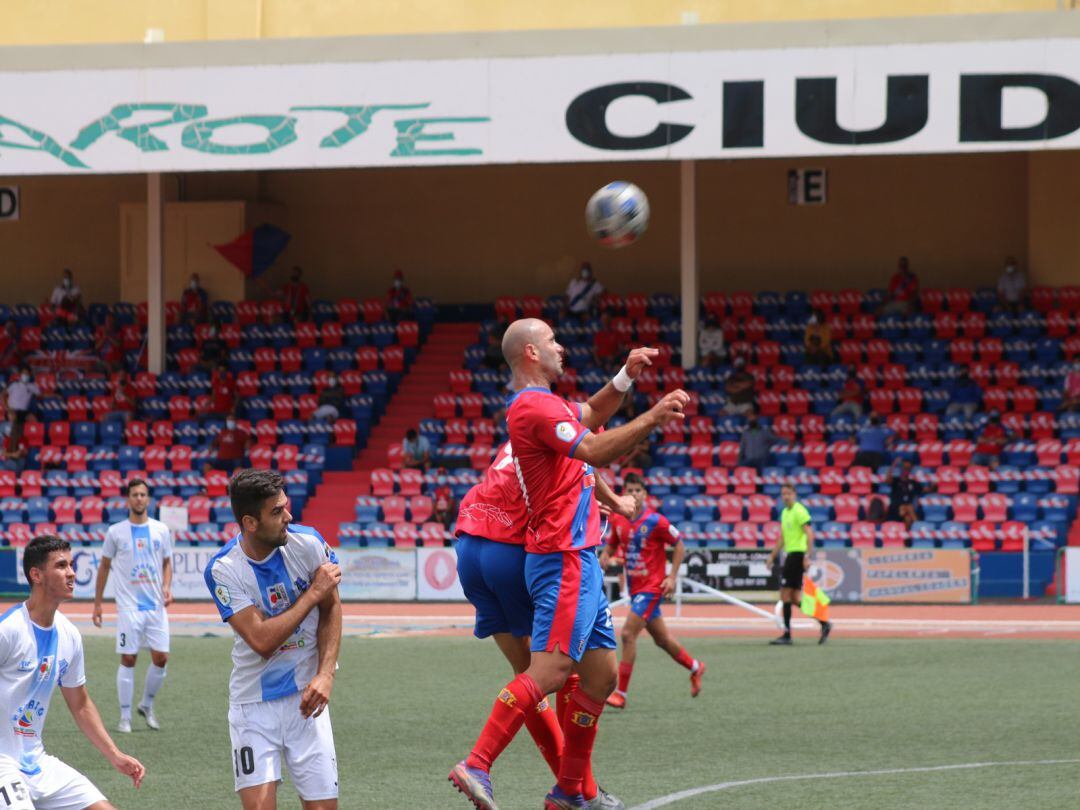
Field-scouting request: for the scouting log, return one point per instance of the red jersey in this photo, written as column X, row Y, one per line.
column 494, row 508
column 558, row 489
column 644, row 544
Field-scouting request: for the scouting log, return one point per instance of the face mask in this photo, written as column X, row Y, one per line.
column 194, row 284
column 230, row 424
column 1010, row 268
column 67, row 283
column 441, row 479
column 813, row 320
column 397, row 283
column 332, row 381
column 25, row 377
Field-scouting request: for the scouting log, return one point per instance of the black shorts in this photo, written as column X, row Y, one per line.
column 792, row 575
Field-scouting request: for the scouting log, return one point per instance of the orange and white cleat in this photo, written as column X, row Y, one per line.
column 695, row 679
column 617, row 700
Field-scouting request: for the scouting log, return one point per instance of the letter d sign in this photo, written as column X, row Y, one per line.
column 9, row 203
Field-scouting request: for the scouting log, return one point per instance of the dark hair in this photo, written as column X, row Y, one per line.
column 39, row 549
column 632, row 478
column 410, row 434
column 136, row 482
column 249, row 489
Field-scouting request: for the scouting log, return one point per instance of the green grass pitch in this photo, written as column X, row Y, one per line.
column 406, row 709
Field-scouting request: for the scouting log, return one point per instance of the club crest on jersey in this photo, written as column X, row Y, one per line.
column 277, row 596
column 565, row 431
column 221, row 593
column 45, row 667
column 300, row 584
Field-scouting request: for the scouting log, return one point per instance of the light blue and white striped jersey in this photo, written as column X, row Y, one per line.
column 33, row 660
column 138, row 552
column 237, row 582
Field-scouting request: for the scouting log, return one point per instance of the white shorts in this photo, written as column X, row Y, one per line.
column 263, row 734
column 57, row 786
column 136, row 629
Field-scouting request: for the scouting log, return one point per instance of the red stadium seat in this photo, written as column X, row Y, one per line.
column 965, row 507
column 247, row 384
column 863, row 535
column 306, row 405
column 1066, row 479
column 345, row 433
column 945, row 326
column 932, row 300
column 973, row 324
column 382, row 482
column 1041, row 425
column 832, row 481
column 30, row 484
column 843, row 453
column 746, row 535
column 393, row 507
column 78, row 409
column 457, row 431
column 995, row 507
column 472, row 406
column 894, row 534
column 282, row 406
column 75, row 458
column 59, row 434
column 247, row 313
column 405, row 535
column 983, row 536
column 893, row 376
column 881, row 401
column 909, row 400
column 34, row 433
column 291, row 360
column 393, row 359
column 63, row 509
column 266, row 432
column 91, row 509
column 410, row 482
column 179, row 408
column 731, row 508
column 977, row 479
column 395, row 459
column 199, row 509
column 815, row 454
column 373, row 310
column 962, row 351
column 960, row 452
column 286, row 457
column 348, row 310
column 155, row 458
column 716, row 481
column 759, row 508
column 846, row 507
column 261, row 456
column 432, row 535
column 1025, row 399
column 445, row 406
column 926, row 427
column 408, row 334
column 7, row 483
column 352, row 381
column 958, row 299
column 421, row 508
column 899, row 424
column 745, row 480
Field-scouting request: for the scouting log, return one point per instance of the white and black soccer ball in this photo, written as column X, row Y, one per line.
column 617, row 214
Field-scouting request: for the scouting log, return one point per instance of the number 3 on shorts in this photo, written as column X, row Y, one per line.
column 244, row 760
column 123, row 639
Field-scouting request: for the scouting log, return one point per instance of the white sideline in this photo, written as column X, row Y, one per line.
column 672, row 798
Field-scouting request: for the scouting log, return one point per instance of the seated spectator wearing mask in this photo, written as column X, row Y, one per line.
column 194, row 302
column 20, row 398
column 416, row 450
column 399, row 299
column 331, row 401
column 852, row 397
column 964, row 396
column 903, row 292
column 1012, row 287
column 13, row 451
column 874, row 440
column 739, row 389
column 755, row 444
column 231, row 445
column 818, row 327
column 583, row 291
column 904, row 493
column 992, row 440
column 66, row 298
column 711, row 349
column 297, row 297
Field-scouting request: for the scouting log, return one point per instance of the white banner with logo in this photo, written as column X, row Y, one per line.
column 377, row 574
column 436, row 575
column 1072, row 574
column 883, row 99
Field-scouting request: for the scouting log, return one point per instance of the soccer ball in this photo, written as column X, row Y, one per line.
column 617, row 214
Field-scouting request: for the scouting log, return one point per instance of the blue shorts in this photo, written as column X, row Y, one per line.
column 493, row 578
column 646, row 605
column 572, row 613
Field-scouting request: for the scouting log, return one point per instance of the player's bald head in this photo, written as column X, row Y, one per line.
column 522, row 333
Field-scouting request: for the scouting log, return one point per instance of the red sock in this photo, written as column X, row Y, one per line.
column 685, row 659
column 625, row 671
column 579, row 731
column 562, row 699
column 543, row 725
column 505, row 721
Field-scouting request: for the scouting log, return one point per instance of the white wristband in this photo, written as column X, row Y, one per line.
column 622, row 381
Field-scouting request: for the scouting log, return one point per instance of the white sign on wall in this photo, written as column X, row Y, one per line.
column 436, row 575
column 883, row 99
column 1072, row 574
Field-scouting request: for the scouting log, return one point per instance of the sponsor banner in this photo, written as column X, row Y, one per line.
column 731, row 569
column 896, row 98
column 10, row 581
column 377, row 574
column 1072, row 574
column 436, row 575
column 871, row 575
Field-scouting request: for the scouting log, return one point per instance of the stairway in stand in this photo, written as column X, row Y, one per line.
column 441, row 353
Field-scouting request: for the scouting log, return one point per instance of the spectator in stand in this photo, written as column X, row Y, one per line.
column 230, row 446
column 904, row 493
column 399, row 299
column 331, row 401
column 711, row 349
column 13, row 451
column 964, row 396
column 20, row 398
column 607, row 345
column 124, row 398
column 583, row 291
column 874, row 440
column 816, row 353
column 108, row 344
column 1012, row 287
column 818, row 327
column 222, row 392
column 852, row 396
column 297, row 297
column 194, row 302
column 416, row 450
column 445, row 510
column 739, row 389
column 903, row 293
column 66, row 298
column 755, row 444
column 992, row 440
column 493, row 355
column 213, row 349
column 9, row 345
column 1070, row 400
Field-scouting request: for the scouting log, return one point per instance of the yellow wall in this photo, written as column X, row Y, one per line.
column 1054, row 213
column 37, row 22
column 472, row 234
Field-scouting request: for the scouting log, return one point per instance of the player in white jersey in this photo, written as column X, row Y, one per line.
column 40, row 649
column 276, row 584
column 140, row 548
